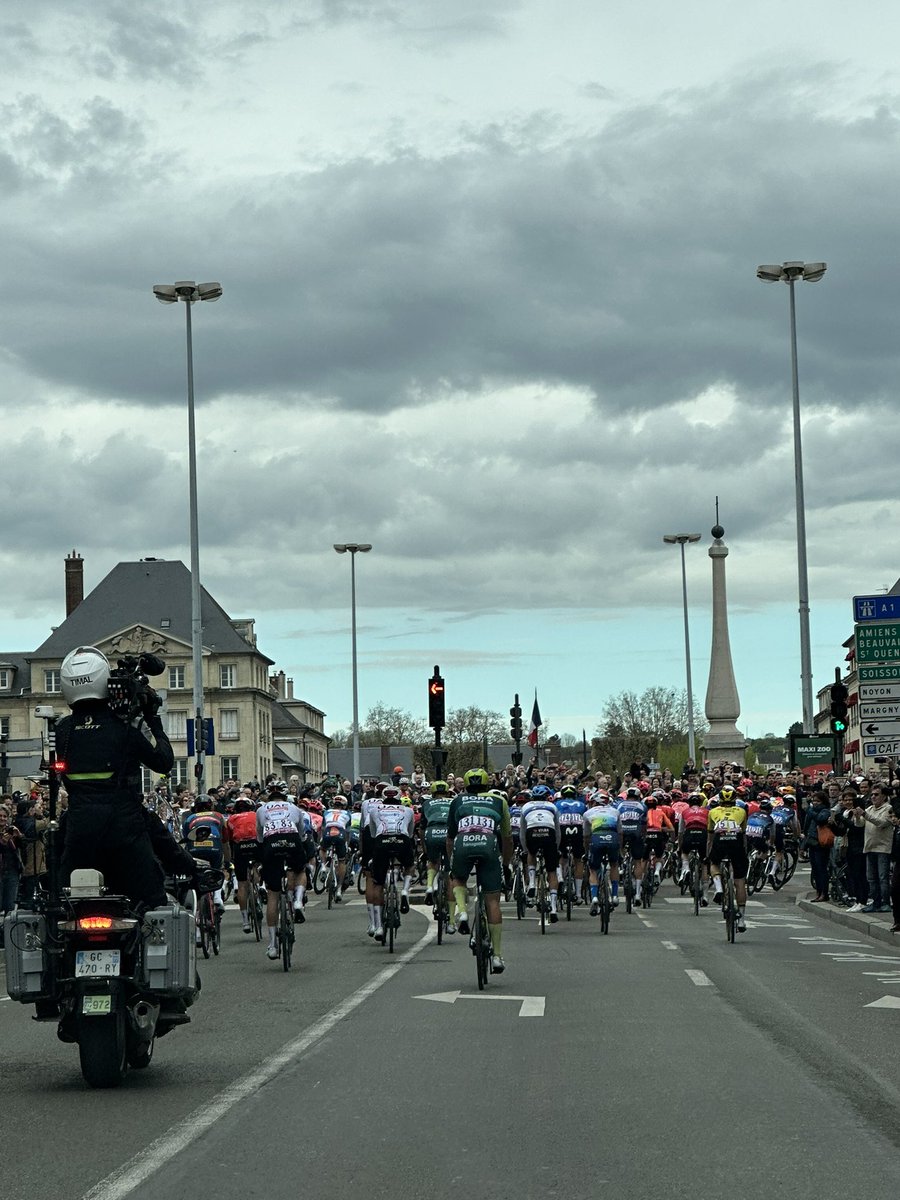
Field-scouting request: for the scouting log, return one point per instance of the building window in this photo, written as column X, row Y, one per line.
column 164, row 623
column 52, row 681
column 176, row 724
column 4, row 727
column 5, row 678
column 227, row 675
column 228, row 724
column 179, row 773
column 230, row 768
column 176, row 678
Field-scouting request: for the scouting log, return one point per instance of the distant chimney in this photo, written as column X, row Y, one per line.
column 74, row 581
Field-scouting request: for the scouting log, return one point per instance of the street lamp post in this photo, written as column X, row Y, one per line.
column 354, row 548
column 789, row 273
column 682, row 539
column 189, row 293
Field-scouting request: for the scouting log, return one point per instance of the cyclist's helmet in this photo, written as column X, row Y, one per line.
column 568, row 792
column 643, row 785
column 277, row 785
column 726, row 793
column 241, row 805
column 676, row 794
column 522, row 796
column 440, row 787
column 406, row 801
column 339, row 801
column 84, row 675
column 765, row 803
column 390, row 793
column 497, row 793
column 315, row 805
column 633, row 793
column 476, row 779
column 541, row 792
column 600, row 796
column 404, row 782
column 652, row 800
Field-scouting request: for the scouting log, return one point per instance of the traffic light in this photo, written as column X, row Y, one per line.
column 436, row 700
column 515, row 721
column 839, row 695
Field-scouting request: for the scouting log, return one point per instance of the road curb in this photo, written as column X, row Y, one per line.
column 859, row 922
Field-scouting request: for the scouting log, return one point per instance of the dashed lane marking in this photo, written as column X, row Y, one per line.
column 700, row 978
column 670, row 945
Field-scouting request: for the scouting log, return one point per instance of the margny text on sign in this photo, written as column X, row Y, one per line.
column 885, row 711
column 878, row 643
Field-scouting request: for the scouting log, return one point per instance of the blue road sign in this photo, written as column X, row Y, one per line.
column 876, row 608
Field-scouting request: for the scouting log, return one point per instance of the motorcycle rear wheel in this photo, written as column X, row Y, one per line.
column 102, row 1050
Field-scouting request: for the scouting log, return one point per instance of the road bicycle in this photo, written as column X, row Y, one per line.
column 480, row 941
column 326, row 879
column 671, row 862
column 541, row 889
column 519, row 893
column 568, row 889
column 783, row 871
column 695, row 881
column 285, row 925
column 729, row 902
column 391, row 918
column 209, row 922
column 757, row 866
column 626, row 874
column 255, row 908
column 353, row 871
column 604, row 894
column 441, row 903
column 837, row 880
column 651, row 883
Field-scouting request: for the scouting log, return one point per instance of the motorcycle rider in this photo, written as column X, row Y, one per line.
column 101, row 755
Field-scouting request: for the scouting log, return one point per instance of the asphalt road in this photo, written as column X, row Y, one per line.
column 657, row 1059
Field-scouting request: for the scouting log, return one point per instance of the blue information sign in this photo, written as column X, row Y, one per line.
column 876, row 608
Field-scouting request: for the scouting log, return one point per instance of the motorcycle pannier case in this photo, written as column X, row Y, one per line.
column 24, row 936
column 170, row 953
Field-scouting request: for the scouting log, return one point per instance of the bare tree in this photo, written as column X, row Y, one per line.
column 658, row 712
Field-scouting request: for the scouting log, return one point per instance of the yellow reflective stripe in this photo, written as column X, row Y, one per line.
column 91, row 775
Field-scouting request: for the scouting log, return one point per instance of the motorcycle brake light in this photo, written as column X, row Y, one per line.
column 86, row 923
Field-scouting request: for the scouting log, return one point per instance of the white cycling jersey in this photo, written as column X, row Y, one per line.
column 539, row 814
column 280, row 818
column 393, row 819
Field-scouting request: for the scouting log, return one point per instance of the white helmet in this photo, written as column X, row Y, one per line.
column 84, row 675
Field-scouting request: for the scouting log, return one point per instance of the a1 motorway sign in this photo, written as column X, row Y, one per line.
column 878, row 642
column 876, row 608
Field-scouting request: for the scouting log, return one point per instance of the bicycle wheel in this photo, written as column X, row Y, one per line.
column 541, row 898
column 647, row 889
column 285, row 930
column 730, row 906
column 216, row 934
column 332, row 887
column 628, row 884
column 205, row 923
column 519, row 893
column 696, row 884
column 790, row 863
column 482, row 950
column 320, row 877
column 605, row 903
column 570, row 889
column 256, row 910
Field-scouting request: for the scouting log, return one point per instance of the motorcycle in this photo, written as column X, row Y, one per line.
column 113, row 978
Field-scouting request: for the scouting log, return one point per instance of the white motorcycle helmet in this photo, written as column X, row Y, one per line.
column 84, row 675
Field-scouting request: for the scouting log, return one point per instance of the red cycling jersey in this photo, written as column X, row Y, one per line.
column 242, row 826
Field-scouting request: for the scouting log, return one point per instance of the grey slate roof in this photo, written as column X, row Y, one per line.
column 21, row 679
column 145, row 593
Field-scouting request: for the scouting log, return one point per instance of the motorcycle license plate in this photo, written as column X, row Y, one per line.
column 96, row 1006
column 97, row 964
column 203, row 845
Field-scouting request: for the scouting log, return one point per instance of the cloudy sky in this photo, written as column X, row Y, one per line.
column 490, row 304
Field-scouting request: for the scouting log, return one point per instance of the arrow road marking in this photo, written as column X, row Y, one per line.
column 531, row 1006
column 885, row 1002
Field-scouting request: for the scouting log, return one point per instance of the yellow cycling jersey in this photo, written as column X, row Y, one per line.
column 726, row 820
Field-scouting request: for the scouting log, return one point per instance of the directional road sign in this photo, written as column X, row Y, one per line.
column 882, row 729
column 888, row 690
column 878, row 642
column 886, row 672
column 878, row 710
column 876, row 608
column 882, row 749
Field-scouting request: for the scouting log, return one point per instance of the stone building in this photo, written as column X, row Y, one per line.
column 145, row 606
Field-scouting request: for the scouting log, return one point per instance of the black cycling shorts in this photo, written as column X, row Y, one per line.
column 287, row 850
column 544, row 839
column 386, row 847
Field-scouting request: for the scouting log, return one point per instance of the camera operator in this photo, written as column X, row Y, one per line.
column 102, row 753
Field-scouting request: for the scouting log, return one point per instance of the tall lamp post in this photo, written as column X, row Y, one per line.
column 681, row 539
column 189, row 293
column 789, row 273
column 354, row 548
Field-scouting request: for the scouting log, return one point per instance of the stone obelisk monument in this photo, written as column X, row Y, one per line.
column 724, row 740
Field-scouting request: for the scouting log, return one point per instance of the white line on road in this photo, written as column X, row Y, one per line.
column 670, row 945
column 700, row 978
column 531, row 1006
column 177, row 1138
column 885, row 1002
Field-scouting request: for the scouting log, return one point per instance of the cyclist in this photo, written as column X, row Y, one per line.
column 206, row 832
column 335, row 827
column 692, row 835
column 633, row 812
column 433, row 826
column 760, row 829
column 784, row 817
column 365, row 853
column 659, row 830
column 539, row 830
column 571, row 808
column 282, row 828
column 392, row 825
column 478, row 836
column 726, row 838
column 602, row 833
column 244, row 851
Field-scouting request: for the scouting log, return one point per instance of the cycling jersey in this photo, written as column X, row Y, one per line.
column 727, row 821
column 539, row 814
column 658, row 821
column 391, row 820
column 759, row 827
column 478, row 824
column 634, row 816
column 280, row 818
column 242, row 827
column 571, row 818
column 694, row 818
column 515, row 816
column 206, row 832
column 335, row 822
column 435, row 815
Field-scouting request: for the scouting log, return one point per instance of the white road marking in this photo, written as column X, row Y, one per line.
column 700, row 978
column 670, row 945
column 885, row 1002
column 531, row 1006
column 148, row 1161
column 826, row 941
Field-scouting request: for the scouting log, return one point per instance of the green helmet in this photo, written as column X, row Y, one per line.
column 477, row 777
column 439, row 787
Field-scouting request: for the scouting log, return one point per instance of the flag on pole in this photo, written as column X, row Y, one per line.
column 535, row 725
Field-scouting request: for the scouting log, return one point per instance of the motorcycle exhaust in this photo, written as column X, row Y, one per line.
column 143, row 1017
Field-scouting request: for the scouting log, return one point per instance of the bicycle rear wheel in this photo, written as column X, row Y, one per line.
column 730, row 905
column 696, row 884
column 285, row 931
column 216, row 933
column 320, row 878
column 482, row 945
column 570, row 890
column 519, row 893
column 605, row 904
column 628, row 885
column 204, row 919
